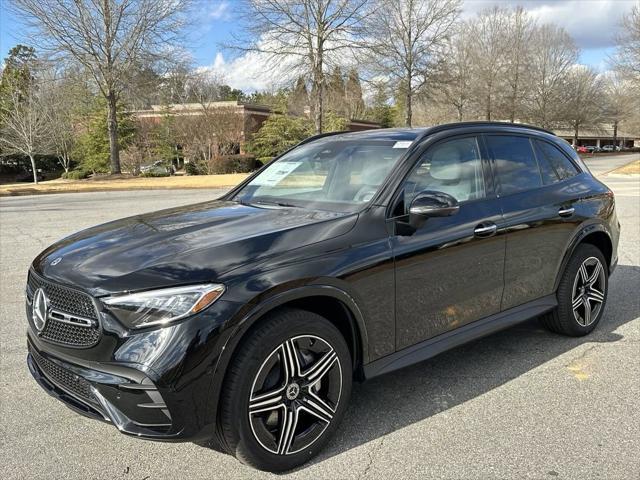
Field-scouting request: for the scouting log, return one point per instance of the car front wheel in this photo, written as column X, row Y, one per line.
column 286, row 391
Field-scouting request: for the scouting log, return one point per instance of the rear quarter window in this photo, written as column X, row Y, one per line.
column 554, row 164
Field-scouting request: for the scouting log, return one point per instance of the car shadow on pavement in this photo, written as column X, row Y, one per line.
column 394, row 401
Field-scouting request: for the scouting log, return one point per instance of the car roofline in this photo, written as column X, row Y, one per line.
column 427, row 131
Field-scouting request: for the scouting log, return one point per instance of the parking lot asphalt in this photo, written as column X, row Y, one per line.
column 523, row 403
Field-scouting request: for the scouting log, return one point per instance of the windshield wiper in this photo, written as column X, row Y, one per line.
column 280, row 204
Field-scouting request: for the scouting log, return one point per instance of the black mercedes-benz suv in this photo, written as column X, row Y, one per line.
column 244, row 320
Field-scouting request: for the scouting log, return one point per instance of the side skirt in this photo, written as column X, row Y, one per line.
column 446, row 341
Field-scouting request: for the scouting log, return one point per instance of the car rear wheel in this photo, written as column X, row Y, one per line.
column 286, row 391
column 582, row 293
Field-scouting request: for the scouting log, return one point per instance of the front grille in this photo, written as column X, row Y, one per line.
column 69, row 301
column 65, row 333
column 63, row 378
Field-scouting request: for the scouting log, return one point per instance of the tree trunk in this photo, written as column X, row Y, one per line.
column 409, row 114
column 33, row 167
column 112, row 127
column 317, row 103
column 615, row 134
column 575, row 135
column 489, row 107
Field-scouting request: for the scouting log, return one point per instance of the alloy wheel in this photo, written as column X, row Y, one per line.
column 295, row 394
column 588, row 292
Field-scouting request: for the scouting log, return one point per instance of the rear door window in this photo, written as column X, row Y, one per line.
column 516, row 164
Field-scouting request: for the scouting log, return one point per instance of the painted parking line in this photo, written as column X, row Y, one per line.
column 626, row 186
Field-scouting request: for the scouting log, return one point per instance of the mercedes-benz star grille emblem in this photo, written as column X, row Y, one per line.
column 39, row 309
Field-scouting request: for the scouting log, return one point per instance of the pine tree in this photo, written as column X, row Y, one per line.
column 380, row 111
column 353, row 95
column 335, row 93
column 299, row 98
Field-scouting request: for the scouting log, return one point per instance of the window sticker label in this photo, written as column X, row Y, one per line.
column 275, row 173
column 403, row 144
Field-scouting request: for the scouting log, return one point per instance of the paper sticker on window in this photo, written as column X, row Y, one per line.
column 402, row 144
column 275, row 173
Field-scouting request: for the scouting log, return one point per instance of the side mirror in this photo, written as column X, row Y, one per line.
column 431, row 204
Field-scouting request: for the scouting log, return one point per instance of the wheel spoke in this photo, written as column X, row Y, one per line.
column 584, row 276
column 587, row 313
column 577, row 302
column 595, row 275
column 266, row 401
column 288, row 431
column 321, row 402
column 310, row 405
column 595, row 295
column 290, row 357
column 321, row 367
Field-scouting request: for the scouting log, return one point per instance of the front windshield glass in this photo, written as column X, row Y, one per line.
column 326, row 174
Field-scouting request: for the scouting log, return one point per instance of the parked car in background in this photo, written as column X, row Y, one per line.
column 610, row 148
column 245, row 319
column 581, row 149
column 593, row 149
column 159, row 167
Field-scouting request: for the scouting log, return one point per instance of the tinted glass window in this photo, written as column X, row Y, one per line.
column 516, row 165
column 335, row 174
column 452, row 167
column 553, row 160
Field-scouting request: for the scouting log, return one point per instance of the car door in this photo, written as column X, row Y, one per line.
column 449, row 272
column 538, row 187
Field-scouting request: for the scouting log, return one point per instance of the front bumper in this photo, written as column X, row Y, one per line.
column 133, row 404
column 159, row 384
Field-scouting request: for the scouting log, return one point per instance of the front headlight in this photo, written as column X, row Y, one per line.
column 159, row 307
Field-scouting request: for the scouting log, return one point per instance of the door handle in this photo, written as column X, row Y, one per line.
column 566, row 212
column 487, row 229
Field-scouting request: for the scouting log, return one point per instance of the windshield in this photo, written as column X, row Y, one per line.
column 326, row 174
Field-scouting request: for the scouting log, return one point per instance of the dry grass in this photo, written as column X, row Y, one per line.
column 123, row 183
column 629, row 168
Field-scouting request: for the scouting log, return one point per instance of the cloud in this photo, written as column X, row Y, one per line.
column 253, row 71
column 220, row 11
column 592, row 24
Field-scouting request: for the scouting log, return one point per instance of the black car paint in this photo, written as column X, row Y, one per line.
column 368, row 262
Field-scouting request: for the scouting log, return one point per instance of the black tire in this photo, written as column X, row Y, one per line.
column 563, row 319
column 261, row 359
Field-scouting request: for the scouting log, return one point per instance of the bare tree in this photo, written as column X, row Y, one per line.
column 619, row 100
column 405, row 40
column 108, row 37
column 489, row 41
column 212, row 129
column 26, row 125
column 308, row 35
column 455, row 80
column 553, row 53
column 520, row 29
column 584, row 91
column 66, row 94
column 627, row 56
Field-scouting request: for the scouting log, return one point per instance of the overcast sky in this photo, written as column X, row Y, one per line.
column 592, row 23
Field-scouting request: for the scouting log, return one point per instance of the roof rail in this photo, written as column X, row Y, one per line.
column 479, row 123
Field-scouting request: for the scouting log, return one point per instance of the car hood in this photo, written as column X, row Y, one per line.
column 191, row 244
